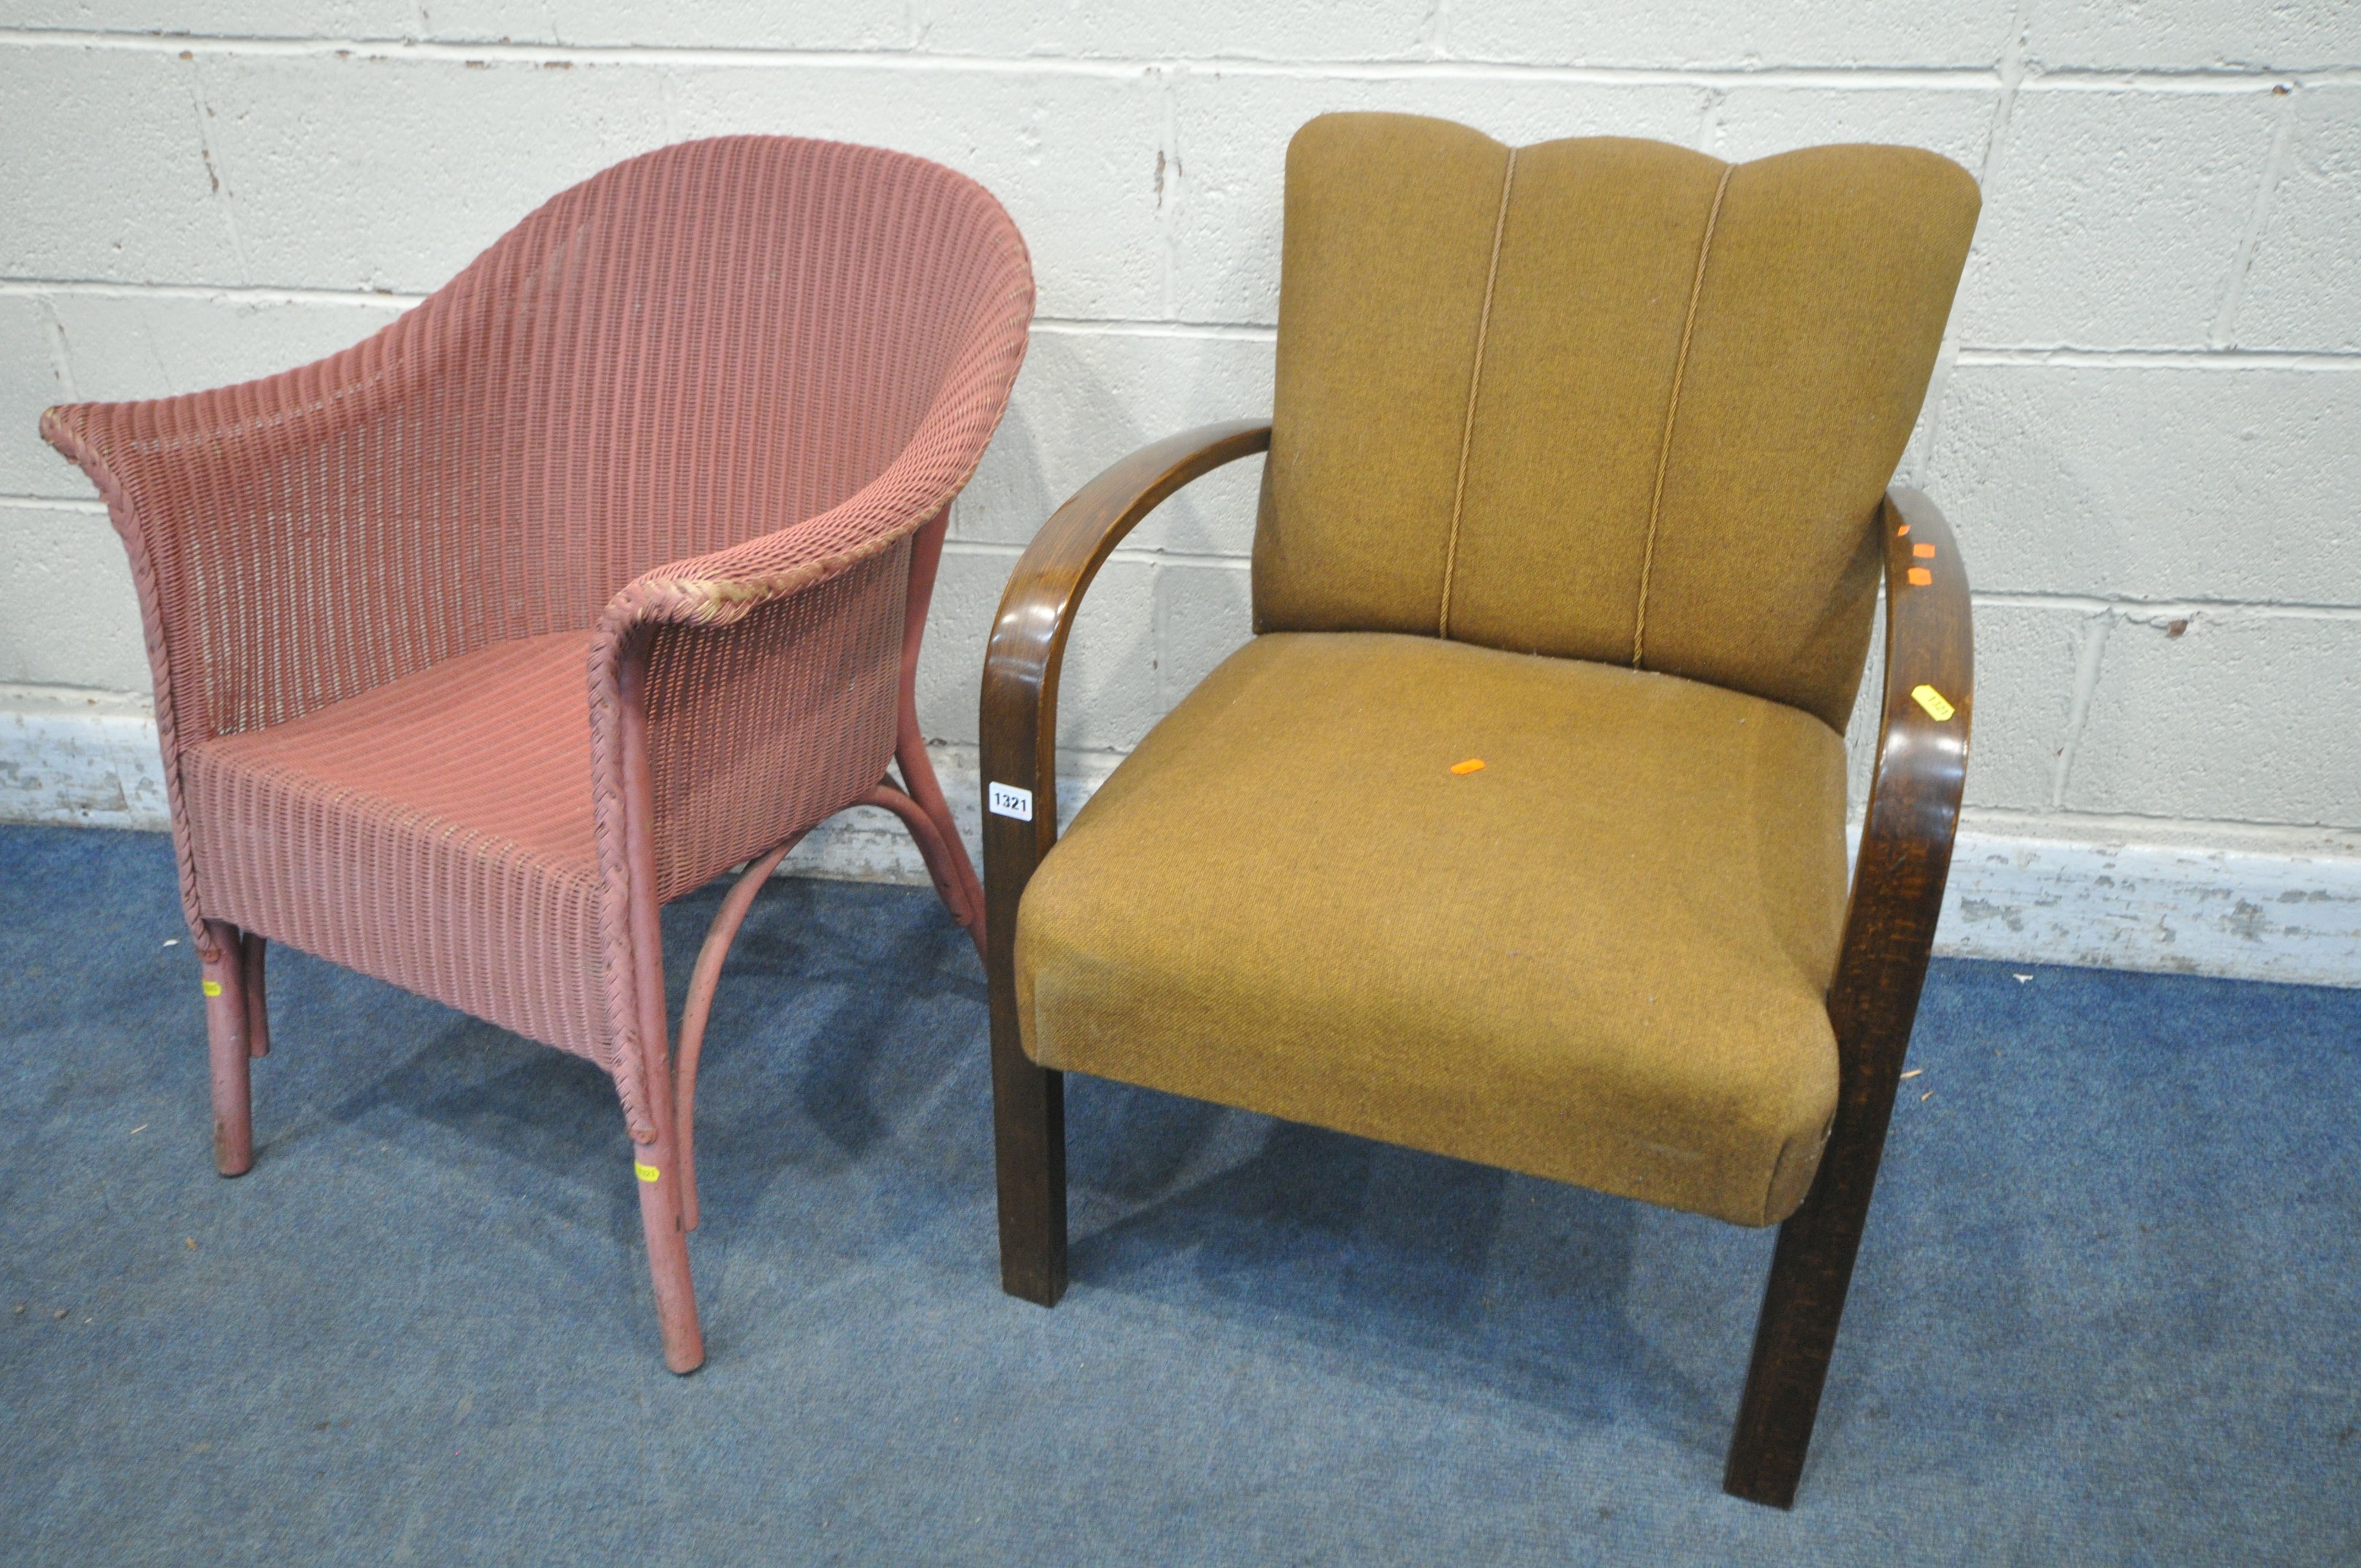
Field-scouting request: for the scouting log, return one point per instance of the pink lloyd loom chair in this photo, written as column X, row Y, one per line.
column 600, row 571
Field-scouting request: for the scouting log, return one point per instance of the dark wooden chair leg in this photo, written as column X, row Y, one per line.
column 1810, row 1272
column 1017, row 729
column 1028, row 1116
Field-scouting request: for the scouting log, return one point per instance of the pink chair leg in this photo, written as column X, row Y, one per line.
column 943, row 853
column 659, row 1182
column 947, row 861
column 655, row 1164
column 675, row 1291
column 964, row 895
column 698, row 1009
column 225, row 1038
column 257, row 998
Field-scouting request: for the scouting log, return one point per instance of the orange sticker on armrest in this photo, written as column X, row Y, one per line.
column 1920, row 577
column 1472, row 765
column 1932, row 701
column 1923, row 552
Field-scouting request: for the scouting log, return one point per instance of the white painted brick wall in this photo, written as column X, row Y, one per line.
column 2149, row 414
column 2304, row 288
column 2208, row 478
column 1653, row 34
column 2115, row 218
column 56, row 556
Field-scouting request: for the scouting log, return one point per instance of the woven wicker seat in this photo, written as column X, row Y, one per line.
column 600, row 573
column 449, row 806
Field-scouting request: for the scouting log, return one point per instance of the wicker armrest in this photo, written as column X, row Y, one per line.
column 218, row 496
column 668, row 611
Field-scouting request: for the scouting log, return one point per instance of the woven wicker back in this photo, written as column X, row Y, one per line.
column 692, row 348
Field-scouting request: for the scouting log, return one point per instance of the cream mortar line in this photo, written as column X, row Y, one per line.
column 2197, row 358
column 2192, row 358
column 2088, row 604
column 2206, row 80
column 1127, row 326
column 2093, row 604
column 264, row 295
column 1130, row 555
column 2193, row 835
column 2167, row 358
column 84, row 505
column 56, row 503
column 513, row 53
column 1957, row 77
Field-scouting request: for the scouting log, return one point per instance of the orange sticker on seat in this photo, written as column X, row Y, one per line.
column 1923, row 552
column 1472, row 765
column 1902, row 531
column 1920, row 576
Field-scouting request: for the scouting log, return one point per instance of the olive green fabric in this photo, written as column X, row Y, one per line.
column 1601, row 958
column 1493, row 450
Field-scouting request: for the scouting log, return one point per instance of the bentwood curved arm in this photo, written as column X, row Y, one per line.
column 1897, row 897
column 1037, row 609
column 1914, row 797
column 1020, row 746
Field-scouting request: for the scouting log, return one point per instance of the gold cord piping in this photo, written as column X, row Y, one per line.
column 1474, row 379
column 1664, row 448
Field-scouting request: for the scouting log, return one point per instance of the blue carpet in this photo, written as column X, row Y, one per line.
column 2109, row 1310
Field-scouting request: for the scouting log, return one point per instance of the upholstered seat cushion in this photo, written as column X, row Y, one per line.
column 1601, row 958
column 435, row 832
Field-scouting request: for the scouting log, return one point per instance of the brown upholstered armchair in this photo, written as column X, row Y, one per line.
column 598, row 573
column 1517, row 831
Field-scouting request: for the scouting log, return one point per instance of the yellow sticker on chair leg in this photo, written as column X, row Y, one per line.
column 1932, row 701
column 645, row 1172
column 212, row 988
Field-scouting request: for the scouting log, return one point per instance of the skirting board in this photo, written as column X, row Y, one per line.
column 2238, row 902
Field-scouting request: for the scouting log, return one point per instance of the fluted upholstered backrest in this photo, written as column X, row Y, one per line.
column 692, row 348
column 1602, row 399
